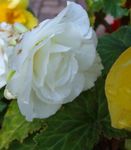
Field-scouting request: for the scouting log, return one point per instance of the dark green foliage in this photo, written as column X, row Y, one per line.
column 113, row 7
column 79, row 125
column 111, row 46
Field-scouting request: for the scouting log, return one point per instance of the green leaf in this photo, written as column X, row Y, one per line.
column 110, row 132
column 28, row 144
column 72, row 128
column 94, row 6
column 1, row 93
column 113, row 7
column 111, row 46
column 2, row 106
column 15, row 127
column 78, row 125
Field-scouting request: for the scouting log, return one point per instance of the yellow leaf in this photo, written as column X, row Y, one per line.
column 118, row 91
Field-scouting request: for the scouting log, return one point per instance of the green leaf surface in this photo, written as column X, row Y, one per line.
column 113, row 7
column 28, row 144
column 111, row 46
column 2, row 106
column 15, row 127
column 78, row 125
column 1, row 94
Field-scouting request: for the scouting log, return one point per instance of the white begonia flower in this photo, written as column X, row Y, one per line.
column 54, row 63
column 8, row 39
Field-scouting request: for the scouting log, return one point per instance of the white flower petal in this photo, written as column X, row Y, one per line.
column 76, row 14
column 66, row 39
column 37, row 108
column 86, row 54
column 7, row 35
column 20, row 84
column 2, row 80
column 93, row 73
column 77, row 87
column 55, row 92
column 2, row 64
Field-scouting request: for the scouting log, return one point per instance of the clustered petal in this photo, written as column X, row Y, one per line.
column 54, row 63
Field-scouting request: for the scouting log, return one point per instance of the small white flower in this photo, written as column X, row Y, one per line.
column 8, row 39
column 54, row 63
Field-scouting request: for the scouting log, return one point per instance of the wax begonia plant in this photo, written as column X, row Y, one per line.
column 62, row 87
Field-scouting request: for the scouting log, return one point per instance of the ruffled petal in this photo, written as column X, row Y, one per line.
column 37, row 108
column 93, row 73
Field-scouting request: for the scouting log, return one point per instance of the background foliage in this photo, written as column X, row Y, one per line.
column 113, row 7
column 85, row 123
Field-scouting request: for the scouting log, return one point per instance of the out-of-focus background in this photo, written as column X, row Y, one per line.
column 44, row 9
